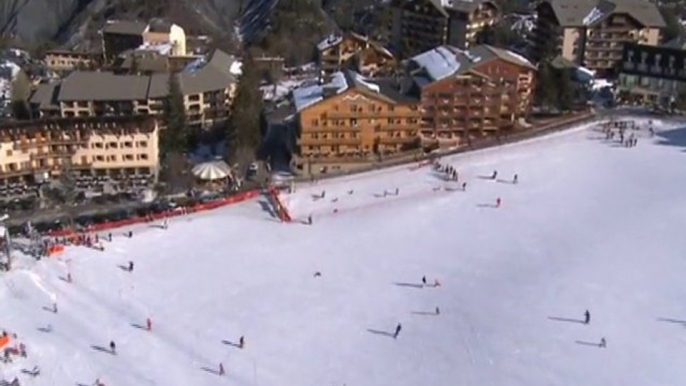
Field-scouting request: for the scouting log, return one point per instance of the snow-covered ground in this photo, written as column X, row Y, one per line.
column 590, row 225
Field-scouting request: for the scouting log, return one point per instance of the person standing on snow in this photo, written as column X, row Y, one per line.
column 113, row 348
column 397, row 330
column 221, row 369
column 130, row 266
column 603, row 343
column 587, row 317
column 515, row 179
column 424, row 280
column 148, row 324
column 494, row 175
column 497, row 202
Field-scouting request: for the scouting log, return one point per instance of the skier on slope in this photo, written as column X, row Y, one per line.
column 113, row 348
column 515, row 179
column 494, row 175
column 221, row 369
column 148, row 324
column 130, row 266
column 603, row 343
column 498, row 202
column 424, row 280
column 464, row 186
column 241, row 342
column 397, row 330
column 587, row 317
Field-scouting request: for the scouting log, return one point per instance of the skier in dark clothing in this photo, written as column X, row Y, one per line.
column 241, row 342
column 109, row 237
column 397, row 330
column 464, row 186
column 494, row 175
column 113, row 348
column 130, row 234
column 587, row 317
column 424, row 280
column 438, row 311
column 603, row 343
column 309, row 220
column 515, row 179
column 130, row 266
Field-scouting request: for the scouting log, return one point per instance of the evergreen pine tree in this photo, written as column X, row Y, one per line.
column 244, row 126
column 21, row 88
column 176, row 135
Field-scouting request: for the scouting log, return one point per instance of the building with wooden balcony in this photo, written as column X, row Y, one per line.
column 420, row 25
column 122, row 152
column 352, row 121
column 592, row 33
column 652, row 75
column 67, row 60
column 355, row 52
column 467, row 95
column 207, row 85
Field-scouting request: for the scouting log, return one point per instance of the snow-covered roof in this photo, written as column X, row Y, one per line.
column 439, row 62
column 362, row 81
column 236, row 68
column 161, row 48
column 592, row 16
column 329, row 42
column 307, row 96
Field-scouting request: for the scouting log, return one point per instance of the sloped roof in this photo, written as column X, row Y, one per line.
column 214, row 75
column 579, row 13
column 103, row 86
column 444, row 61
column 159, row 86
column 678, row 43
column 486, row 52
column 465, row 6
column 125, row 27
column 45, row 96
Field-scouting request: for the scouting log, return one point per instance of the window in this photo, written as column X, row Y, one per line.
column 353, row 122
column 143, row 156
column 9, row 153
column 98, row 158
column 128, row 144
column 142, row 144
column 112, row 145
column 128, row 157
column 315, row 122
column 97, row 145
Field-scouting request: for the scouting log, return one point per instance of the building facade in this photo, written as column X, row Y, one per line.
column 652, row 75
column 120, row 151
column 355, row 52
column 592, row 33
column 122, row 35
column 65, row 60
column 207, row 87
column 352, row 121
column 420, row 25
column 468, row 95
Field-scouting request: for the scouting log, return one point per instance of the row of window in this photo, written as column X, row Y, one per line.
column 117, row 145
column 353, row 122
column 115, row 158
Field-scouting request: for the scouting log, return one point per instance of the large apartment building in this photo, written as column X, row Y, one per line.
column 123, row 35
column 445, row 97
column 66, row 60
column 592, row 33
column 420, row 25
column 208, row 87
column 121, row 152
column 653, row 75
column 351, row 121
column 466, row 95
column 356, row 52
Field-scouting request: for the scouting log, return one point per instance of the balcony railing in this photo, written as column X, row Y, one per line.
column 329, row 141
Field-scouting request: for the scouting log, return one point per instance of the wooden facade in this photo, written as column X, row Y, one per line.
column 355, row 127
column 489, row 98
column 355, row 52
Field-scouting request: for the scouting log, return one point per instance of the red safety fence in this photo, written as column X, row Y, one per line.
column 280, row 207
column 159, row 216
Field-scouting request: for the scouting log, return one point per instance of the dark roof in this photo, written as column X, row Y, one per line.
column 160, row 25
column 103, row 86
column 391, row 89
column 45, row 96
column 678, row 43
column 146, row 61
column 562, row 63
column 466, row 6
column 578, row 13
column 214, row 75
column 125, row 27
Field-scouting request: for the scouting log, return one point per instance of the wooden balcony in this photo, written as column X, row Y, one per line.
column 329, row 141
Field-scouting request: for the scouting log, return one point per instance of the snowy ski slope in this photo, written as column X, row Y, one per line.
column 590, row 225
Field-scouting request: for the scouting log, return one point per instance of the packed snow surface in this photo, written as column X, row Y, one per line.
column 590, row 225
